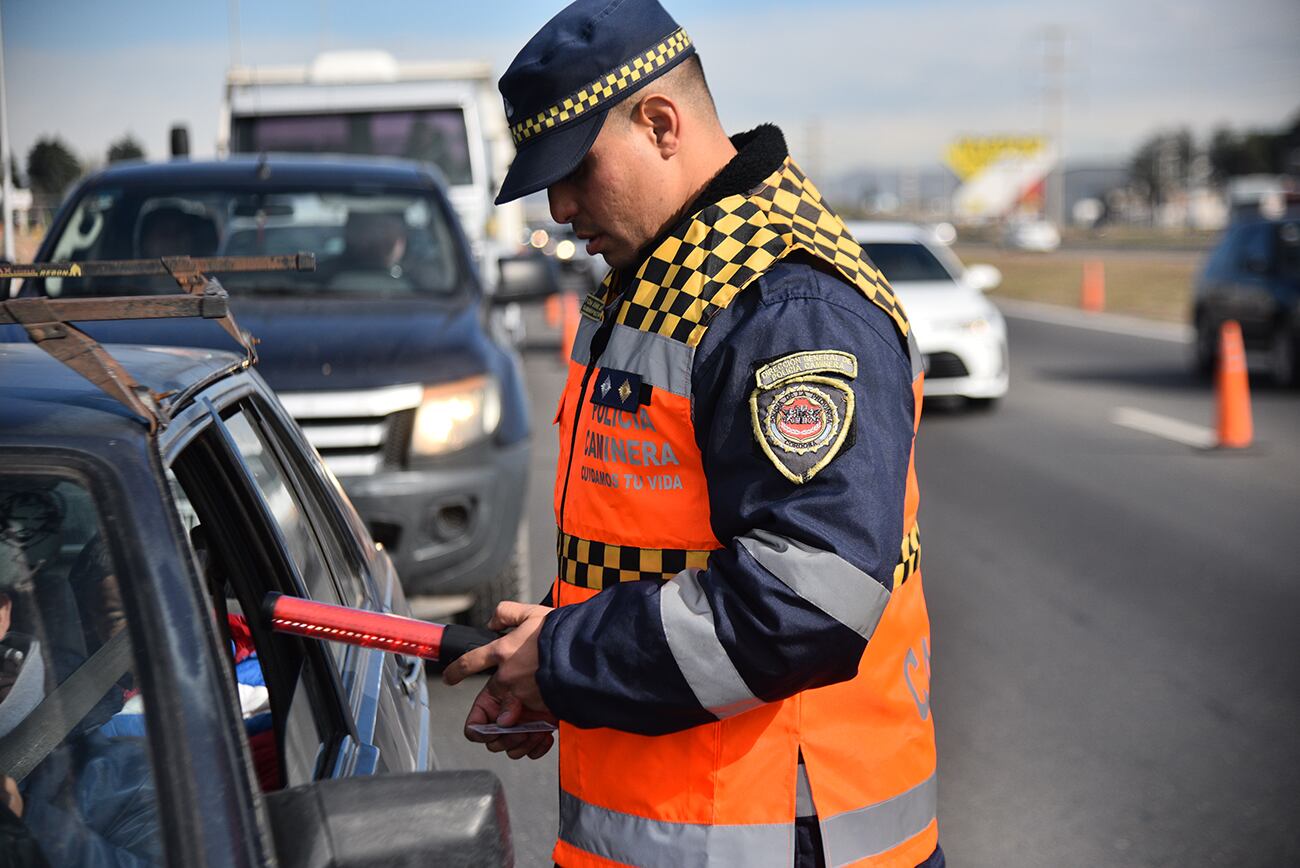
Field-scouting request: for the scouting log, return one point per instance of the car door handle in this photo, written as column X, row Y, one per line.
column 410, row 671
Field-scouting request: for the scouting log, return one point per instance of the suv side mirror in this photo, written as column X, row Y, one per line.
column 1256, row 264
column 527, row 277
column 983, row 277
column 424, row 818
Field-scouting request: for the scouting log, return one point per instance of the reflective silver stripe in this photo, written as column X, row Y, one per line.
column 647, row 843
column 914, row 350
column 826, row 580
column 868, row 831
column 580, row 352
column 662, row 362
column 692, row 637
column 803, row 800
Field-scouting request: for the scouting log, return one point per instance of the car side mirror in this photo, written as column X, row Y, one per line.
column 527, row 277
column 1256, row 265
column 982, row 277
column 423, row 818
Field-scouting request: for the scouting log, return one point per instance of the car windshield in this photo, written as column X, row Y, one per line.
column 906, row 261
column 438, row 136
column 366, row 241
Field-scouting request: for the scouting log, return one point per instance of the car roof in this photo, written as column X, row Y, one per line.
column 869, row 231
column 36, row 390
column 255, row 170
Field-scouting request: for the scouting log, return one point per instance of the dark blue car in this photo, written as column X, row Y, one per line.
column 148, row 715
column 386, row 355
column 1253, row 277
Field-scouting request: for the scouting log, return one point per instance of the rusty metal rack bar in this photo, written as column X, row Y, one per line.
column 48, row 321
column 165, row 265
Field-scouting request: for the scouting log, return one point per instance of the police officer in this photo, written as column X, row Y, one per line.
column 736, row 648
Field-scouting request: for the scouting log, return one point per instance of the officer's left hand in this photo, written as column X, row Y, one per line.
column 514, row 655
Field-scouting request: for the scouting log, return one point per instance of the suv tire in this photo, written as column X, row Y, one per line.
column 509, row 584
column 1284, row 358
column 1204, row 348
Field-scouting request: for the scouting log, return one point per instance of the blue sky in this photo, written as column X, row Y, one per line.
column 853, row 84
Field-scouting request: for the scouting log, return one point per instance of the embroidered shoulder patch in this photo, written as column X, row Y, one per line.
column 808, row 362
column 801, row 421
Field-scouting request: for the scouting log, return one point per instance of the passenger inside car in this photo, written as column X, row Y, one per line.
column 374, row 246
column 86, row 798
column 169, row 230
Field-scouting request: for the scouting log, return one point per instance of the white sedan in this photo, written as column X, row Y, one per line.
column 961, row 334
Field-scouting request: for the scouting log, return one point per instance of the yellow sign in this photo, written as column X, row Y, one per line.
column 970, row 156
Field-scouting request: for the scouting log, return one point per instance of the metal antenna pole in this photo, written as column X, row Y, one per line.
column 8, row 190
column 1054, row 91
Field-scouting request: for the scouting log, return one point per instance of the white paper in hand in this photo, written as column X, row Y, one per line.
column 493, row 729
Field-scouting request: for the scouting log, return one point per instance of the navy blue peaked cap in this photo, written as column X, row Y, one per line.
column 557, row 90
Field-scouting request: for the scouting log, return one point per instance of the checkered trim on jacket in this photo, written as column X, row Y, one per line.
column 698, row 270
column 910, row 560
column 597, row 565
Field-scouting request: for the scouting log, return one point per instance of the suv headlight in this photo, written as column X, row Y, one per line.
column 454, row 415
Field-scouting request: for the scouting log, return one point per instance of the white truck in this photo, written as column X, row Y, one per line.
column 365, row 102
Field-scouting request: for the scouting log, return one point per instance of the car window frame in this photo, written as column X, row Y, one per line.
column 154, row 601
column 277, row 572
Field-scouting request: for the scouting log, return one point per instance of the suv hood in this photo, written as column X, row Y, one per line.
column 312, row 344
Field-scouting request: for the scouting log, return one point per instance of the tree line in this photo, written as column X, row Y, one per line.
column 52, row 167
column 1171, row 161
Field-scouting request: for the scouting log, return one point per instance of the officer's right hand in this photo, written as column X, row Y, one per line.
column 488, row 709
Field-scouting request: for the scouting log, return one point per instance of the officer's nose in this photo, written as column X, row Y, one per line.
column 564, row 207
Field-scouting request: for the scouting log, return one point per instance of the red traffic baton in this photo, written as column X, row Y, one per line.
column 438, row 643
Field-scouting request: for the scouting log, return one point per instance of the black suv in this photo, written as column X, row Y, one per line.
column 148, row 714
column 1253, row 277
column 386, row 355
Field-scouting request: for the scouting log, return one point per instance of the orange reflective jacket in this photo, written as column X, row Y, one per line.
column 727, row 792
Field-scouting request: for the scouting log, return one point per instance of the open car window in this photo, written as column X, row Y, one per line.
column 249, row 539
column 73, row 737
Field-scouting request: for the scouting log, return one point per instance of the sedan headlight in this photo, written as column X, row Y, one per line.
column 974, row 325
column 455, row 415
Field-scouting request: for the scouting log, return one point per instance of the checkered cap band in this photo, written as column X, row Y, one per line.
column 909, row 560
column 607, row 88
column 596, row 565
column 698, row 270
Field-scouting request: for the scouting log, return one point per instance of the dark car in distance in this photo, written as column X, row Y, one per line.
column 387, row 355
column 176, row 728
column 1253, row 277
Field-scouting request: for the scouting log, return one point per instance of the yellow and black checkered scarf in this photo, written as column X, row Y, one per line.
column 740, row 225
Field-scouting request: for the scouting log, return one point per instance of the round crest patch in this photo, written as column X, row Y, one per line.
column 801, row 418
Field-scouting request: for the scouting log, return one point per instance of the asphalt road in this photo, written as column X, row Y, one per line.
column 1116, row 670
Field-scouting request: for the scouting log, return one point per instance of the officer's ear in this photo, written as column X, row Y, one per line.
column 661, row 118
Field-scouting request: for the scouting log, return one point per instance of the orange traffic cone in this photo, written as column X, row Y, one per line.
column 1092, row 294
column 553, row 310
column 570, row 315
column 1236, row 428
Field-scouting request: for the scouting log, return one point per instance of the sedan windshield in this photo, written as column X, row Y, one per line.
column 366, row 242
column 906, row 261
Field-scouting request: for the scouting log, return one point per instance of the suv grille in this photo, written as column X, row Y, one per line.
column 944, row 366
column 358, row 433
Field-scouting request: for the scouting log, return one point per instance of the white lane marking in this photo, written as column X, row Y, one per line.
column 1113, row 323
column 1177, row 430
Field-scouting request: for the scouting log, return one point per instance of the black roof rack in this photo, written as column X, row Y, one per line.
column 48, row 321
